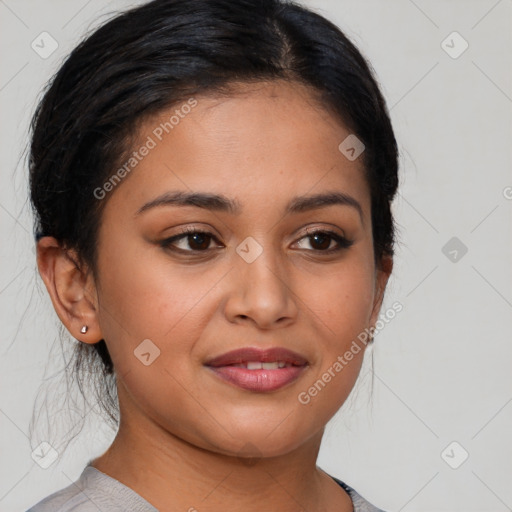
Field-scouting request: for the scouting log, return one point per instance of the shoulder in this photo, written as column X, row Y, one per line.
column 93, row 491
column 360, row 504
column 74, row 497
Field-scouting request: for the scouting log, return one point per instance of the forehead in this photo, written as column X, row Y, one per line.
column 263, row 142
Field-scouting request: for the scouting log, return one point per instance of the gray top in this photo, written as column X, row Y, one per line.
column 95, row 491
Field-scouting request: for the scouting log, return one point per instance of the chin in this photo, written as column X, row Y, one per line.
column 254, row 443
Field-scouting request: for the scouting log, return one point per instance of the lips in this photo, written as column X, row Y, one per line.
column 246, row 355
column 258, row 370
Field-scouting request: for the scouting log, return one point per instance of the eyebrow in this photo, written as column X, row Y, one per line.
column 220, row 203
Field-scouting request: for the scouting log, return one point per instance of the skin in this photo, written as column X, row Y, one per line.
column 187, row 439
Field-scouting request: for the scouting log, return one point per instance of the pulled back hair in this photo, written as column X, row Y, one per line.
column 156, row 55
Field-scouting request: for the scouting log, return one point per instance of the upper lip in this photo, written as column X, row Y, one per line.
column 244, row 355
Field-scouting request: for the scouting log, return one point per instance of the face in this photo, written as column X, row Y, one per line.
column 220, row 312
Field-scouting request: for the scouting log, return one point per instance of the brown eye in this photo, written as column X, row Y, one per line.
column 190, row 241
column 321, row 241
column 199, row 241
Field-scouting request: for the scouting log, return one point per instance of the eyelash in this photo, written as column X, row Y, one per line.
column 343, row 243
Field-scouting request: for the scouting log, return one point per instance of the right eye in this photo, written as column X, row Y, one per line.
column 196, row 240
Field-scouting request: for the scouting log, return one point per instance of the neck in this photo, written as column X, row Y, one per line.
column 173, row 474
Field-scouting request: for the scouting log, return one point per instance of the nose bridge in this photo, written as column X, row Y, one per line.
column 261, row 291
column 264, row 271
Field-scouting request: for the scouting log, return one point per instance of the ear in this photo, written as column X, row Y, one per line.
column 71, row 288
column 382, row 274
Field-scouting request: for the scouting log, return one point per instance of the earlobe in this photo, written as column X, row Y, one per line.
column 71, row 289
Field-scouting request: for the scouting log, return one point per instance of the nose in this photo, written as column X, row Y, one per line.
column 261, row 292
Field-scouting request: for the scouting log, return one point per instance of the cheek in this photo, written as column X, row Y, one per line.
column 340, row 305
column 143, row 298
column 145, row 290
column 341, row 302
column 170, row 309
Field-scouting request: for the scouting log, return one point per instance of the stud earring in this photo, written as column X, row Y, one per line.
column 83, row 330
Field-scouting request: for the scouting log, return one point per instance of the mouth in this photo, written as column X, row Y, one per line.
column 258, row 370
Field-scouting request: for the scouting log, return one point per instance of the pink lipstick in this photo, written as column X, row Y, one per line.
column 258, row 370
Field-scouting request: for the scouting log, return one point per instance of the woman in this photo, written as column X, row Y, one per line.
column 212, row 182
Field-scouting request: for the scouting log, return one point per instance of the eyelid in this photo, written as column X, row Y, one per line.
column 315, row 229
column 190, row 229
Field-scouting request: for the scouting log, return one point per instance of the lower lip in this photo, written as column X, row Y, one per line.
column 258, row 380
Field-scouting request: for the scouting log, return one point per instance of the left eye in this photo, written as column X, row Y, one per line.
column 321, row 241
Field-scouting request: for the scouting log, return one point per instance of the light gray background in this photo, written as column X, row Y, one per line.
column 442, row 365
